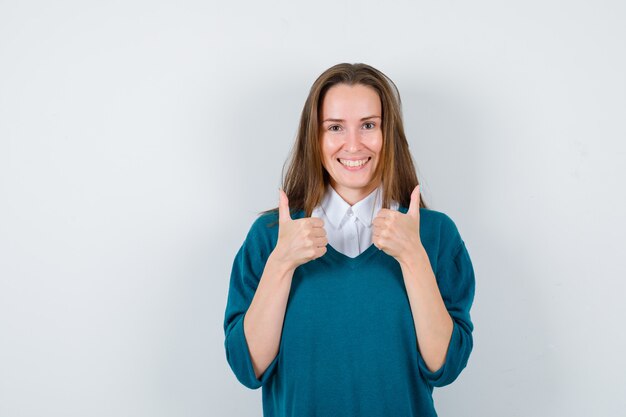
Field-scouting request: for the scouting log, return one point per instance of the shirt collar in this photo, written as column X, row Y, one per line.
column 366, row 209
column 336, row 208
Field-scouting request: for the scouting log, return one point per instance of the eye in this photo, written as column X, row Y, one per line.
column 334, row 128
column 369, row 125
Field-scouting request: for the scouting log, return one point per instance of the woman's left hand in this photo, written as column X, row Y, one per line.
column 396, row 233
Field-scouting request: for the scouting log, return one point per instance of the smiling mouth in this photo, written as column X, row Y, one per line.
column 354, row 164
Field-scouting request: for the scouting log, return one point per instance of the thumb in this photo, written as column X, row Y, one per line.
column 283, row 206
column 414, row 205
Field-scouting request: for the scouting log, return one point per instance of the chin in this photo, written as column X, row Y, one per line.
column 356, row 185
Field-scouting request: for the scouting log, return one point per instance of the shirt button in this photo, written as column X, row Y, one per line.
column 350, row 213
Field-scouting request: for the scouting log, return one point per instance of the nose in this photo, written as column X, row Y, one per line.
column 353, row 140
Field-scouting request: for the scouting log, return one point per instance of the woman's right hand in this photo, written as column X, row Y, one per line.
column 300, row 240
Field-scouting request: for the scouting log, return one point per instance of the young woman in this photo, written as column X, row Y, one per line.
column 351, row 298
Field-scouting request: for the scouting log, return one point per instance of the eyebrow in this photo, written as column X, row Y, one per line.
column 341, row 120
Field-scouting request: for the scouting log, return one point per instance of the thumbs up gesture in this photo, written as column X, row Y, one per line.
column 300, row 240
column 396, row 233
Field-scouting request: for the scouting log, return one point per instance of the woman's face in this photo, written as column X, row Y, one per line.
column 351, row 139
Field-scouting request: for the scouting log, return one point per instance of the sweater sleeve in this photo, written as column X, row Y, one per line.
column 247, row 269
column 456, row 284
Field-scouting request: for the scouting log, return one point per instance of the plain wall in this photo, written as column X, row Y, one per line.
column 139, row 139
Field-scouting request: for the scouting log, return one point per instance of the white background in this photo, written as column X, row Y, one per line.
column 139, row 139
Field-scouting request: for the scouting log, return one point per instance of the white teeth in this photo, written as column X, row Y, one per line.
column 353, row 163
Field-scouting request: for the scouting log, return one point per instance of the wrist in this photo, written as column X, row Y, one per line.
column 414, row 256
column 279, row 264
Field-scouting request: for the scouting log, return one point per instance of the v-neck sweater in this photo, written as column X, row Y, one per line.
column 348, row 345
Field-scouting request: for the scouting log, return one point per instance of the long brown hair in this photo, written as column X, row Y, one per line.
column 306, row 179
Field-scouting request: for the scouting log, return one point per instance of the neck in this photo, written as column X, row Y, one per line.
column 354, row 195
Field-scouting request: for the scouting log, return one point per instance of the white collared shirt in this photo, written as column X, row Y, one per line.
column 349, row 228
